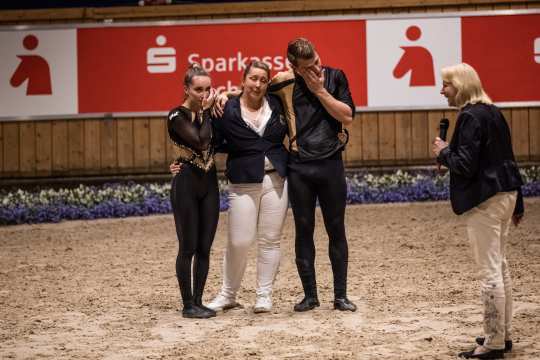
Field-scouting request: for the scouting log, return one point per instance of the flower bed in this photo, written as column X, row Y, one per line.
column 132, row 199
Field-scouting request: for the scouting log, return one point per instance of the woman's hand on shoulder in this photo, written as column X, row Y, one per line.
column 175, row 168
column 219, row 105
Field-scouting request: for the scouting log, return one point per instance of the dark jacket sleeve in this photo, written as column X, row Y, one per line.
column 219, row 142
column 197, row 138
column 463, row 154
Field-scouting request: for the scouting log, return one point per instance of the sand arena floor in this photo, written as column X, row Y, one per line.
column 106, row 289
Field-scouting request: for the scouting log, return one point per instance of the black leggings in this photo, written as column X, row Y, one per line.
column 195, row 203
column 323, row 180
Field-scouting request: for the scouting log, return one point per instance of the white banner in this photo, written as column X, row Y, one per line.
column 38, row 73
column 404, row 57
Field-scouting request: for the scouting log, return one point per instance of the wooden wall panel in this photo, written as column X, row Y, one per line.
column 141, row 138
column 420, row 135
column 534, row 134
column 404, row 139
column 158, row 143
column 76, row 146
column 370, row 137
column 236, row 10
column 92, row 145
column 518, row 6
column 44, row 140
column 11, row 148
column 387, row 137
column 125, row 145
column 520, row 133
column 108, row 147
column 60, row 147
column 27, row 141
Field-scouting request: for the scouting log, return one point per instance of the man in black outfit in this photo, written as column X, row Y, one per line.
column 317, row 102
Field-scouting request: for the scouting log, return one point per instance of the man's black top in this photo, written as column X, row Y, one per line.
column 313, row 131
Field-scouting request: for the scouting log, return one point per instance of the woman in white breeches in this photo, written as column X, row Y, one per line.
column 256, row 213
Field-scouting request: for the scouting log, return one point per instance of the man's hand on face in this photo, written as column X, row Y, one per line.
column 314, row 80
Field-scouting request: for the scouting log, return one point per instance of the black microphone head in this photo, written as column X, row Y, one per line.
column 443, row 128
column 444, row 124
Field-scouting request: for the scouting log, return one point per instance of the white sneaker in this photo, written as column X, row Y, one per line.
column 263, row 304
column 222, row 302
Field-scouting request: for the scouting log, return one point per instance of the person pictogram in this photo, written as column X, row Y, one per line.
column 417, row 60
column 161, row 60
column 33, row 68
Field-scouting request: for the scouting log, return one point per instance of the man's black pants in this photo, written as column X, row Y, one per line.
column 322, row 180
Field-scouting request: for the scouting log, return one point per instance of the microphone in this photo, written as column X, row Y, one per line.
column 443, row 128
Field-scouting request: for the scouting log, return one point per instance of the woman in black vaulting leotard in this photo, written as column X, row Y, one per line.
column 194, row 191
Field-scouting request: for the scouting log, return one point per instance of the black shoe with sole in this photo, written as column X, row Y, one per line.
column 490, row 354
column 195, row 312
column 308, row 303
column 507, row 343
column 198, row 302
column 344, row 304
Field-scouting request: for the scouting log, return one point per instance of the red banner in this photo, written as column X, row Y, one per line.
column 141, row 68
column 501, row 49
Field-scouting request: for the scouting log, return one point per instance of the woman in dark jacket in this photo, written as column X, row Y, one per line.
column 485, row 186
column 253, row 128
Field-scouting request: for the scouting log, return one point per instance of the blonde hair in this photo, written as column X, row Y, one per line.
column 467, row 83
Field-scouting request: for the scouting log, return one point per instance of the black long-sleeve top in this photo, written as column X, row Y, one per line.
column 192, row 136
column 313, row 132
column 188, row 132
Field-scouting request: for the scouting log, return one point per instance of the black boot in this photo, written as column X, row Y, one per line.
column 307, row 276
column 198, row 302
column 307, row 303
column 344, row 304
column 194, row 312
